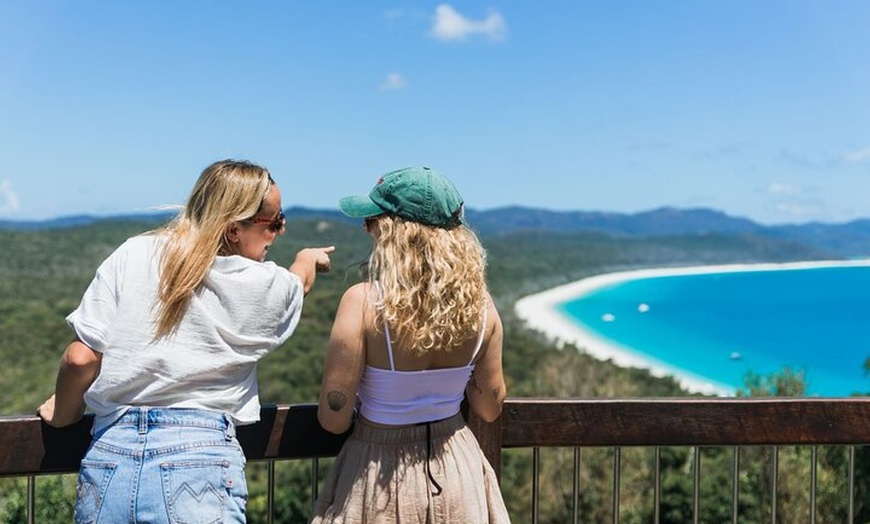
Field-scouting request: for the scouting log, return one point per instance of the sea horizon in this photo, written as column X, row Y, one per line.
column 637, row 319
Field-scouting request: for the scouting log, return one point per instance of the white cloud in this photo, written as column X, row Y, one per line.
column 858, row 156
column 405, row 15
column 451, row 26
column 394, row 81
column 394, row 14
column 777, row 188
column 801, row 210
column 8, row 197
column 796, row 202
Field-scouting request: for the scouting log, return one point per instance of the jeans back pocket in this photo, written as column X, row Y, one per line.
column 93, row 482
column 195, row 490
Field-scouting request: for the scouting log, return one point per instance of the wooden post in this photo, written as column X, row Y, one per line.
column 489, row 436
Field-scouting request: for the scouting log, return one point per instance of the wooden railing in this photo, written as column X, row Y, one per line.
column 28, row 447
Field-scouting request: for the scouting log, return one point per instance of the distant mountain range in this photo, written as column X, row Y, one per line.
column 848, row 240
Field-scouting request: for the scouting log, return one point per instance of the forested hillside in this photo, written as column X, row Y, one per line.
column 43, row 273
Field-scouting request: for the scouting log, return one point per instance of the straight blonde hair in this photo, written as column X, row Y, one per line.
column 433, row 281
column 227, row 191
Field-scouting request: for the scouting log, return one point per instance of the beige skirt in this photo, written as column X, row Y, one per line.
column 430, row 473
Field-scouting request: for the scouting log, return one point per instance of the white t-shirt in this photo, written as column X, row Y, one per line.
column 242, row 310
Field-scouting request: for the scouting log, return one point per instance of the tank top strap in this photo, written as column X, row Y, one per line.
column 386, row 329
column 479, row 338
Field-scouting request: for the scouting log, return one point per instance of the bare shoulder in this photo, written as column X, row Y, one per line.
column 493, row 319
column 357, row 293
column 357, row 298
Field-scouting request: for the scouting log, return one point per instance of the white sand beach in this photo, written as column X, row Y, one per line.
column 539, row 311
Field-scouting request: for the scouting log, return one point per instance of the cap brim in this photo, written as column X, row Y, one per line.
column 359, row 206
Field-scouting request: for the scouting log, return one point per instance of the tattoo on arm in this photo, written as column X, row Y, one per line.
column 472, row 386
column 336, row 400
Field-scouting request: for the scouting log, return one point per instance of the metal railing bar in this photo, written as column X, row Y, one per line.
column 575, row 495
column 774, row 483
column 657, row 485
column 813, row 473
column 536, row 471
column 735, row 485
column 617, row 463
column 696, row 485
column 851, row 484
column 270, row 491
column 31, row 499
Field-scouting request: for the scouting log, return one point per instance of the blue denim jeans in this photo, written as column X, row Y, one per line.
column 164, row 465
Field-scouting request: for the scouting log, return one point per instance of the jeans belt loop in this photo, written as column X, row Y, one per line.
column 230, row 432
column 143, row 420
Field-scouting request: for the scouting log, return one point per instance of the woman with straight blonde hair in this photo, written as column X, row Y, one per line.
column 167, row 339
column 407, row 346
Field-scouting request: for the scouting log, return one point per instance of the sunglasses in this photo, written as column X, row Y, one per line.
column 275, row 224
column 368, row 221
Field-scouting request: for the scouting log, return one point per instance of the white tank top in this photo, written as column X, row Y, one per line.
column 388, row 396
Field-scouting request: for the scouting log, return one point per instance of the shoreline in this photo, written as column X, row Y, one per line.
column 539, row 311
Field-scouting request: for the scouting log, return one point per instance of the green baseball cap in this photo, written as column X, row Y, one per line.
column 418, row 194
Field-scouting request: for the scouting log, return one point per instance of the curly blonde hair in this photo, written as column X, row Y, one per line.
column 226, row 191
column 433, row 281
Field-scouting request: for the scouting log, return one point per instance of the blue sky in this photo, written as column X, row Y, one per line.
column 758, row 108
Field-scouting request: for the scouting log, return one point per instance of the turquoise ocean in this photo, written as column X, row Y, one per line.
column 717, row 327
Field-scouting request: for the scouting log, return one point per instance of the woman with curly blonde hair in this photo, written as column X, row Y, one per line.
column 406, row 347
